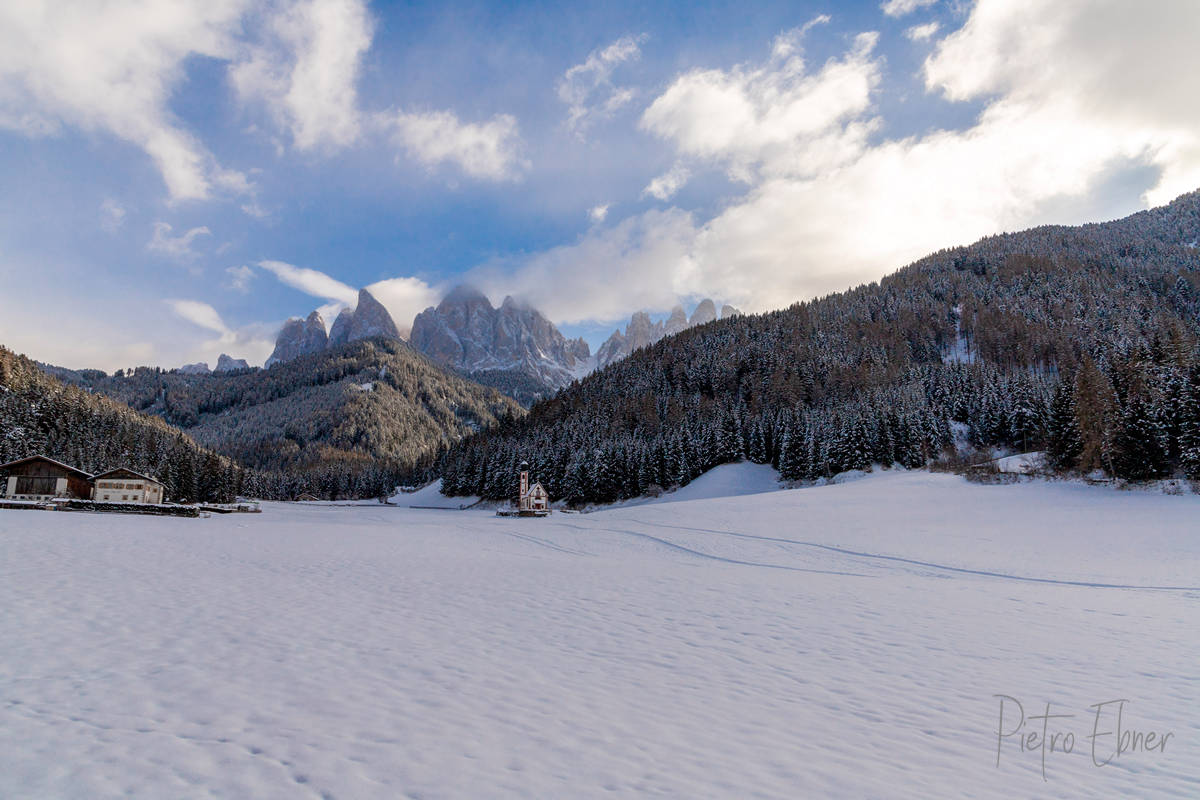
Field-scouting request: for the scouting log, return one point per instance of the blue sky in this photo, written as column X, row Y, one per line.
column 182, row 177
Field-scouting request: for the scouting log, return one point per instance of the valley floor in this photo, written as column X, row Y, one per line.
column 847, row 640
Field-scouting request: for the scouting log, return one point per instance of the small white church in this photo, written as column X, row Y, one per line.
column 533, row 500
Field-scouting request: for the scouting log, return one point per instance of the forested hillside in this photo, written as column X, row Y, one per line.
column 1080, row 340
column 349, row 421
column 40, row 415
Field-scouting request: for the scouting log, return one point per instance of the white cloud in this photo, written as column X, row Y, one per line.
column 598, row 213
column 645, row 261
column 1073, row 93
column 773, row 119
column 239, row 278
column 313, row 282
column 587, row 88
column 921, row 33
column 307, row 70
column 666, row 185
column 487, row 150
column 899, row 8
column 112, row 215
column 112, row 67
column 1112, row 74
column 404, row 298
column 177, row 247
column 253, row 342
column 201, row 314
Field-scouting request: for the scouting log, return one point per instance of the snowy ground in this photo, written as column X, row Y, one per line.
column 846, row 640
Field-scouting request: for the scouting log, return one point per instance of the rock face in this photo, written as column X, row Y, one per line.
column 229, row 363
column 704, row 313
column 675, row 323
column 299, row 338
column 199, row 368
column 465, row 332
column 368, row 320
column 340, row 332
column 642, row 332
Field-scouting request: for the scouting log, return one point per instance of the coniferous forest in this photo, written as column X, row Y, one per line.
column 40, row 415
column 1080, row 341
column 354, row 421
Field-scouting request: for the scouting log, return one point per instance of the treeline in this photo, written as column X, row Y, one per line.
column 40, row 415
column 1013, row 342
column 354, row 421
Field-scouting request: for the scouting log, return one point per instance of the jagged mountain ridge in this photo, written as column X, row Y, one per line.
column 369, row 319
column 513, row 346
column 643, row 332
column 225, row 363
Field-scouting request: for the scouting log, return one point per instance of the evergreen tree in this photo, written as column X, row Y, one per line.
column 1063, row 442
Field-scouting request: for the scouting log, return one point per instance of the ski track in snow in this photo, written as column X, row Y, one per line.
column 846, row 640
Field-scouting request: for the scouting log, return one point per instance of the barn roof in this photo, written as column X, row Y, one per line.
column 127, row 472
column 28, row 459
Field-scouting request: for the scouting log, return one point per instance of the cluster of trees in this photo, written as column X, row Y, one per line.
column 353, row 421
column 1080, row 340
column 40, row 415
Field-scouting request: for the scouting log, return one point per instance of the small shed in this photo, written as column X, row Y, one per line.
column 126, row 486
column 40, row 478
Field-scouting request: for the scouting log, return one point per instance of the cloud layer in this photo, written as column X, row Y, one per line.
column 1072, row 93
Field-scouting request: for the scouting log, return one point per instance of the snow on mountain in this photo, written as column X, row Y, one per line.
column 467, row 333
column 841, row 641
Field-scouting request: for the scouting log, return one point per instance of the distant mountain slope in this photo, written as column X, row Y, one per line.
column 329, row 422
column 513, row 347
column 41, row 415
column 1078, row 340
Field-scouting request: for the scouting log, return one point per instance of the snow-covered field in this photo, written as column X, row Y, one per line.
column 841, row 641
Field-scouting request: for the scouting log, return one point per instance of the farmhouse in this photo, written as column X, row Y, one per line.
column 41, row 478
column 126, row 486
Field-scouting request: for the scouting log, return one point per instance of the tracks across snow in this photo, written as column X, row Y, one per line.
column 846, row 641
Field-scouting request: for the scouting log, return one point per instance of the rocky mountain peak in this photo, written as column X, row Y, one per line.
column 299, row 337
column 516, row 340
column 371, row 319
column 368, row 320
column 199, row 368
column 643, row 332
column 340, row 332
column 704, row 313
column 228, row 363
